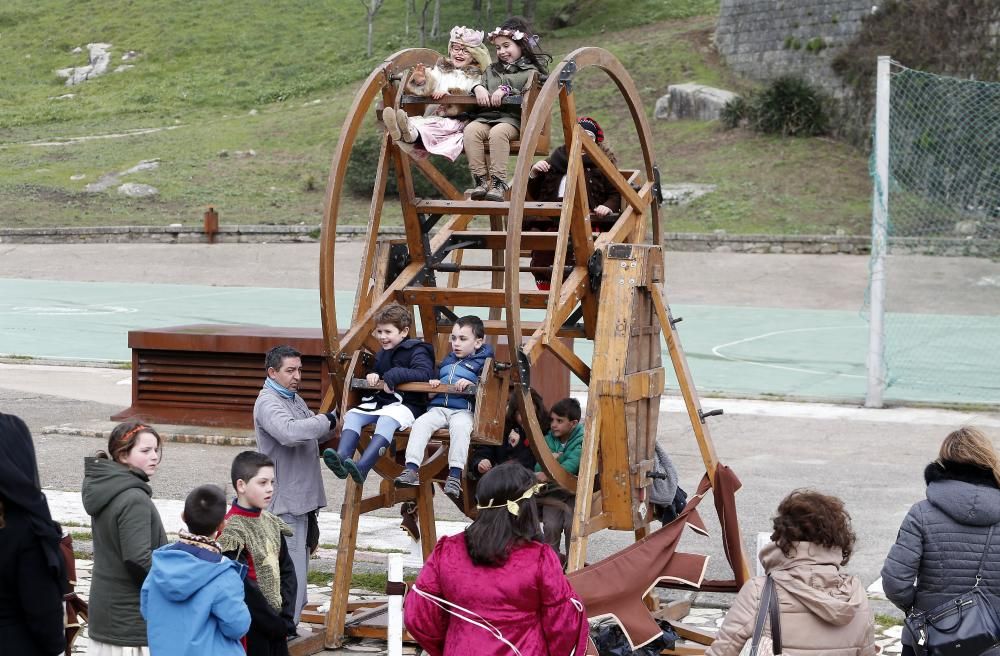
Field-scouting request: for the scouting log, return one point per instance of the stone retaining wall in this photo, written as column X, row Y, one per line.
column 763, row 39
column 719, row 241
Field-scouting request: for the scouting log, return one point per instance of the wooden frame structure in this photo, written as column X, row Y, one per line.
column 611, row 294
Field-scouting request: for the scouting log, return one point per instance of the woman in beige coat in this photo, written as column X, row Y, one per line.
column 823, row 610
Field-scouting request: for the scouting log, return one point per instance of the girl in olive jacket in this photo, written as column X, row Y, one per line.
column 488, row 136
column 126, row 529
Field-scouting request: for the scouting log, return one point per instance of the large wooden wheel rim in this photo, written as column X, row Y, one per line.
column 375, row 84
column 558, row 88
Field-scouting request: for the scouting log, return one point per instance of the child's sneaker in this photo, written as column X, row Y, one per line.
column 409, row 478
column 453, row 487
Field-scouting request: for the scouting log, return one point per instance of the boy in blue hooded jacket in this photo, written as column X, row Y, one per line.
column 192, row 598
column 460, row 368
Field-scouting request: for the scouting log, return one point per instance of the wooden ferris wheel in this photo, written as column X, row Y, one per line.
column 606, row 289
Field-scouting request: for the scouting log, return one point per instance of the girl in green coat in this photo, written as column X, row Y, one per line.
column 126, row 528
column 488, row 136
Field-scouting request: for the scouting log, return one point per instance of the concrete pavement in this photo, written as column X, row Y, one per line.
column 873, row 459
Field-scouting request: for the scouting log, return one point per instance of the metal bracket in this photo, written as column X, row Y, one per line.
column 444, row 316
column 399, row 259
column 657, row 186
column 595, row 270
column 524, row 367
column 566, row 75
column 573, row 320
column 711, row 413
column 428, row 221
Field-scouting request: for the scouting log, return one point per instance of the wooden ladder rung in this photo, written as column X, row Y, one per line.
column 450, row 296
column 484, row 207
column 497, row 239
column 498, row 327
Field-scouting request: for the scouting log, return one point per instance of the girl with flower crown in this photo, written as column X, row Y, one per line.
column 488, row 136
column 497, row 588
column 440, row 132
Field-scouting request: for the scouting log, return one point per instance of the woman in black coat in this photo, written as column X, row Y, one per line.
column 943, row 537
column 32, row 571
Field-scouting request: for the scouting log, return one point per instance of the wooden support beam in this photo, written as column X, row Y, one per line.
column 497, row 239
column 576, row 558
column 483, row 207
column 610, row 171
column 644, row 385
column 570, row 359
column 684, row 380
column 489, row 298
column 350, row 513
column 499, row 327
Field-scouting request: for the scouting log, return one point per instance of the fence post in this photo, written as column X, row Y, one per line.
column 880, row 228
column 211, row 224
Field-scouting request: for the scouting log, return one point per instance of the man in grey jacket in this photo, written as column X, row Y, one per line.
column 289, row 433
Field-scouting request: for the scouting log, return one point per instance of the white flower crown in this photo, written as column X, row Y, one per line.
column 516, row 35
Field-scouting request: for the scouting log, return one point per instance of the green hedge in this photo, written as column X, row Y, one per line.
column 360, row 177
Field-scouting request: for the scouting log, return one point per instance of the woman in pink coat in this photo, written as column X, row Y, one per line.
column 497, row 588
column 823, row 610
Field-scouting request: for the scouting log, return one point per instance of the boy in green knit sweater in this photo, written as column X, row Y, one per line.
column 256, row 537
column 565, row 440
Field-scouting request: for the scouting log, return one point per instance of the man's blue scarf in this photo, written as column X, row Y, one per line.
column 277, row 387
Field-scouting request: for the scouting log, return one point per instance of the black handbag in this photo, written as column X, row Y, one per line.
column 964, row 626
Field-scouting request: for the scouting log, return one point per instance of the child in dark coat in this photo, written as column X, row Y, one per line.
column 515, row 447
column 401, row 360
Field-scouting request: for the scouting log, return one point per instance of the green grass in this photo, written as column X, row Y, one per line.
column 373, row 581
column 885, row 621
column 278, row 79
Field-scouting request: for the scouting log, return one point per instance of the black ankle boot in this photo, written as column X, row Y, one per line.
column 497, row 191
column 481, row 188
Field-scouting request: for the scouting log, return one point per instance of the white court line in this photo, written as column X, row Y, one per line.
column 830, row 411
column 716, row 350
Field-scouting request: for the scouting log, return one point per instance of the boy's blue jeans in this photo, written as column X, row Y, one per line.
column 459, row 425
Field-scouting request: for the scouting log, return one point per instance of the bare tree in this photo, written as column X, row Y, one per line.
column 436, row 23
column 510, row 7
column 371, row 8
column 528, row 10
column 477, row 6
column 411, row 8
column 423, row 22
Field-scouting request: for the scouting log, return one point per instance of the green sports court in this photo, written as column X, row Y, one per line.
column 741, row 351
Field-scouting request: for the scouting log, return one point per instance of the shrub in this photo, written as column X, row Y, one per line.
column 788, row 106
column 736, row 113
column 361, row 168
column 791, row 107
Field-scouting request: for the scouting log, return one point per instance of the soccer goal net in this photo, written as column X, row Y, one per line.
column 936, row 212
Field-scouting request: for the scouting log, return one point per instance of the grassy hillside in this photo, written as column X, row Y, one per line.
column 276, row 78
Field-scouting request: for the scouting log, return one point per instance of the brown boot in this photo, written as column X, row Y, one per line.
column 497, row 191
column 482, row 186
